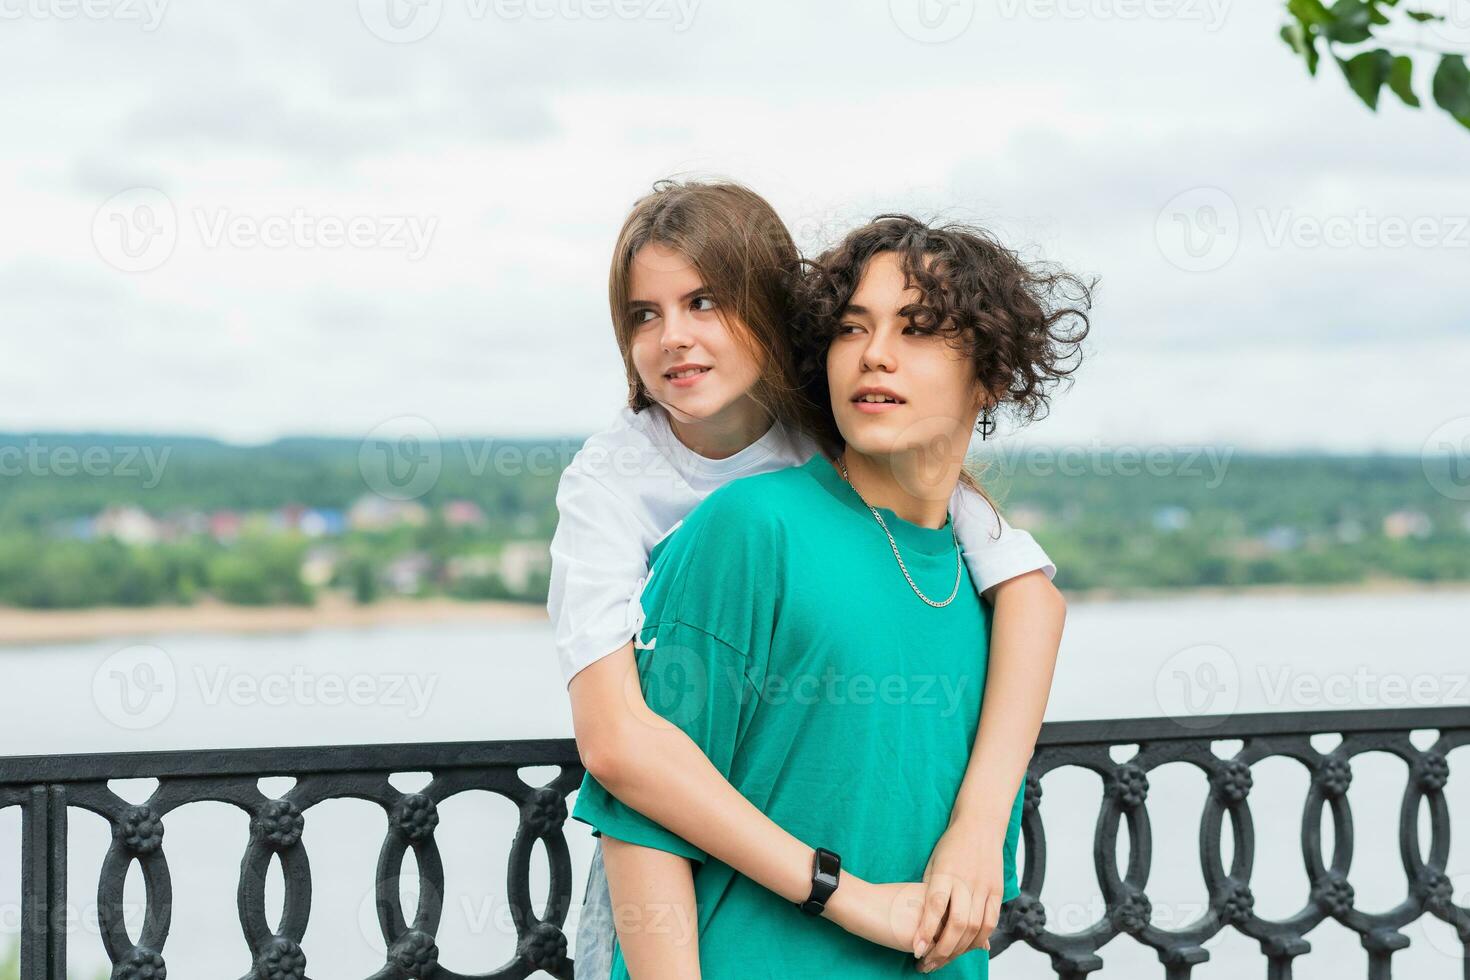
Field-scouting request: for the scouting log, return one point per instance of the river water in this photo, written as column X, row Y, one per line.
column 472, row 681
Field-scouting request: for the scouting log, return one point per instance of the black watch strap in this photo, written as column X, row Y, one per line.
column 826, row 870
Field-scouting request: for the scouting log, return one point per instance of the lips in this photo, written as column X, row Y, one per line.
column 877, row 396
column 681, row 372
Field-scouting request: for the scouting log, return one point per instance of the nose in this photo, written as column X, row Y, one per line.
column 878, row 352
column 676, row 332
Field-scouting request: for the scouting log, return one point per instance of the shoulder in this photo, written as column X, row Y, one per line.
column 763, row 500
column 610, row 498
column 620, row 461
column 745, row 522
column 974, row 516
column 723, row 570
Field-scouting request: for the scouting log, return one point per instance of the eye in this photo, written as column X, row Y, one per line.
column 847, row 328
column 920, row 331
column 643, row 316
column 694, row 304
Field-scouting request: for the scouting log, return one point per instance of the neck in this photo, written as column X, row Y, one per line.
column 913, row 485
column 722, row 436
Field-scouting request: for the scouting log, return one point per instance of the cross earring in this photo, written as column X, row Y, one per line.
column 986, row 425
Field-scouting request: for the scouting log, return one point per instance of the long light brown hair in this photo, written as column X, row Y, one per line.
column 748, row 261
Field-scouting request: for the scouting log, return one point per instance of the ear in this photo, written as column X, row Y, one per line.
column 980, row 397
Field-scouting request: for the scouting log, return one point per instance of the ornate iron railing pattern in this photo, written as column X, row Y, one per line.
column 1165, row 740
column 45, row 787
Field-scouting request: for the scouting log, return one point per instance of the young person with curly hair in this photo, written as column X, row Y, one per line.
column 815, row 634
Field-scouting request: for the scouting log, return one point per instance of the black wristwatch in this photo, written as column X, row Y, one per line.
column 826, row 868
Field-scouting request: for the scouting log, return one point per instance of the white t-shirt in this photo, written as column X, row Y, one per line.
column 632, row 484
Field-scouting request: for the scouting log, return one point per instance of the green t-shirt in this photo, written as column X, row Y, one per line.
column 779, row 633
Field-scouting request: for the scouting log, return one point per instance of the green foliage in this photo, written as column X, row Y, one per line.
column 1247, row 519
column 362, row 578
column 1098, row 523
column 260, row 571
column 1349, row 23
column 1452, row 88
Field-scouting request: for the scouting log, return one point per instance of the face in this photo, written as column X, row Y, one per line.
column 897, row 387
column 684, row 347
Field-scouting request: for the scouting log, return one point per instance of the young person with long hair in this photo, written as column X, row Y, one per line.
column 703, row 290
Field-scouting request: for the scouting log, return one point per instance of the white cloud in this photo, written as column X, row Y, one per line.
column 524, row 139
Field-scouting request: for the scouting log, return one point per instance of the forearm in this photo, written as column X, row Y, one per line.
column 1026, row 633
column 654, row 910
column 654, row 767
column 669, row 779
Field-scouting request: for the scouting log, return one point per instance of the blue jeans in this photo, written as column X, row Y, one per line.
column 594, row 947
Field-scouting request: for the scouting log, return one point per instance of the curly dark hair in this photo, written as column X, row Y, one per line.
column 1021, row 323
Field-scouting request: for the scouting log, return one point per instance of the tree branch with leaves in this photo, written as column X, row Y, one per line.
column 1349, row 24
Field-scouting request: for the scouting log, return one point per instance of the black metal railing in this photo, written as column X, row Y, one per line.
column 47, row 787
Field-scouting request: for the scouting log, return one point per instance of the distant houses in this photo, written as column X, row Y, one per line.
column 126, row 523
column 373, row 513
column 319, row 565
column 225, row 525
column 411, row 548
column 134, row 525
column 405, row 574
column 1171, row 518
column 1407, row 524
column 463, row 513
column 521, row 561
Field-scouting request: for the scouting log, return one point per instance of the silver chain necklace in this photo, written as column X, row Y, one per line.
column 842, row 464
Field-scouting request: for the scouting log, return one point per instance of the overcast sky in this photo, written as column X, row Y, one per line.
column 175, row 179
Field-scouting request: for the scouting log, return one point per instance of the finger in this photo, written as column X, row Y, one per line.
column 992, row 918
column 936, row 900
column 972, row 928
column 966, row 941
column 954, row 926
column 933, row 960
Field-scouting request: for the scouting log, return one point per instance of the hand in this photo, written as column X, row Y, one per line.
column 961, row 905
column 886, row 914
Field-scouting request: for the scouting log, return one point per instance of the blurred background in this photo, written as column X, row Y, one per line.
column 303, row 310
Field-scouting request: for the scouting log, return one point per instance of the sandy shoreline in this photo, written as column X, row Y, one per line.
column 51, row 625
column 19, row 626
column 1392, row 586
